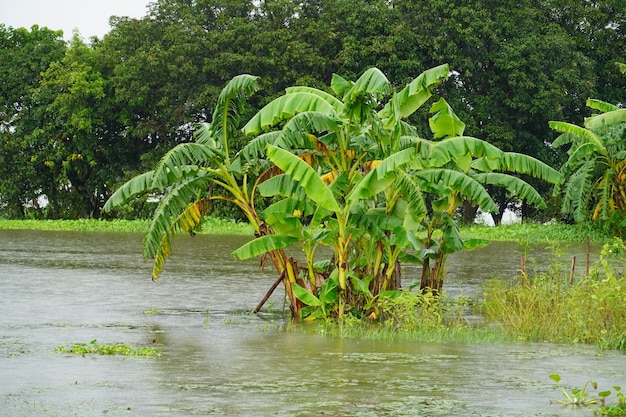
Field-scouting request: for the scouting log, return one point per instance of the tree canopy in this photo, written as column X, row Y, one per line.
column 77, row 119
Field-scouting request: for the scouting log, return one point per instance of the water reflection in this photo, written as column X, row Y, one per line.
column 63, row 288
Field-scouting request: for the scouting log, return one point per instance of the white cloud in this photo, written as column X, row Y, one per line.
column 90, row 17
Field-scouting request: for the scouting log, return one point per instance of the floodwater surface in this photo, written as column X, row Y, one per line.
column 64, row 288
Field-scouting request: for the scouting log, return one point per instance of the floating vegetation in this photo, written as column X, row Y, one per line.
column 93, row 348
column 211, row 225
column 11, row 347
column 152, row 310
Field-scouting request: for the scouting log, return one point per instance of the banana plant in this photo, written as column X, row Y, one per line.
column 364, row 175
column 595, row 171
column 185, row 177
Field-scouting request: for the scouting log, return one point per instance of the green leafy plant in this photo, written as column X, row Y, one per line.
column 352, row 174
column 614, row 410
column 595, row 171
column 344, row 170
column 579, row 396
column 93, row 348
column 551, row 306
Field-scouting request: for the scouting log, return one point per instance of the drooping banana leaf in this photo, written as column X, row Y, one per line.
column 574, row 132
column 462, row 183
column 282, row 185
column 452, row 148
column 176, row 212
column 284, row 108
column 413, row 95
column 296, row 132
column 382, row 176
column 371, row 82
column 229, row 106
column 334, row 101
column 444, row 123
column 514, row 185
column 183, row 155
column 138, row 185
column 600, row 105
column 305, row 296
column 611, row 118
column 286, row 224
column 255, row 148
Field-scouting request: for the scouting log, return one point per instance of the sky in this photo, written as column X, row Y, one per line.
column 90, row 17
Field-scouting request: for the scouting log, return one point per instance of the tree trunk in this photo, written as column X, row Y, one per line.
column 469, row 212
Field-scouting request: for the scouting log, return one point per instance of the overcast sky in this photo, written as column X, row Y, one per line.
column 90, row 17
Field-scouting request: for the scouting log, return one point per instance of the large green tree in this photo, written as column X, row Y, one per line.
column 24, row 55
column 515, row 68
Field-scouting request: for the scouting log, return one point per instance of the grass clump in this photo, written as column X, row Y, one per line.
column 552, row 307
column 415, row 316
column 93, row 348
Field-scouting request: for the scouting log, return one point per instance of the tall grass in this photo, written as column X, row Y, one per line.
column 550, row 307
column 415, row 316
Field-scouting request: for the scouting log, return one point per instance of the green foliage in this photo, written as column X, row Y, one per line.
column 210, row 225
column 582, row 397
column 137, row 93
column 595, row 171
column 529, row 232
column 26, row 54
column 352, row 166
column 93, row 348
column 578, row 396
column 549, row 307
column 615, row 410
column 185, row 176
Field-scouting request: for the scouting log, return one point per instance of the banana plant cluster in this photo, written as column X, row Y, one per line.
column 355, row 176
column 595, row 171
column 345, row 169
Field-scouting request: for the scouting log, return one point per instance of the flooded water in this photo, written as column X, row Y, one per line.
column 63, row 288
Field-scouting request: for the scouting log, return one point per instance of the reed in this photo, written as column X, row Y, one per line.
column 551, row 307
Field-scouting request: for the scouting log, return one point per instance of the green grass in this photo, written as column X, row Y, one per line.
column 551, row 307
column 210, row 226
column 450, row 333
column 529, row 233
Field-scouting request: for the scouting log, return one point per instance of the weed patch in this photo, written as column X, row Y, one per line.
column 549, row 307
column 93, row 348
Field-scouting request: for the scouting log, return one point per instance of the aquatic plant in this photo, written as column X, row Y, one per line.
column 614, row 410
column 579, row 396
column 582, row 397
column 93, row 348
